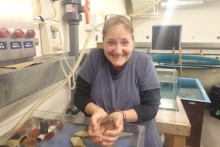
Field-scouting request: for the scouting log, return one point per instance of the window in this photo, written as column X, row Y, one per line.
column 165, row 37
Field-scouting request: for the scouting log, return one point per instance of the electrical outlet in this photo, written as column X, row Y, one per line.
column 92, row 24
column 36, row 41
column 218, row 37
column 147, row 37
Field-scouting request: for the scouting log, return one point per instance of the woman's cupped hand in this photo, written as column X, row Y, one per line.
column 101, row 132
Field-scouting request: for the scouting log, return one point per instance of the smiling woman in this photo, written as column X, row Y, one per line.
column 118, row 41
column 121, row 83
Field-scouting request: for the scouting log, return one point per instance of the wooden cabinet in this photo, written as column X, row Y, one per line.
column 195, row 113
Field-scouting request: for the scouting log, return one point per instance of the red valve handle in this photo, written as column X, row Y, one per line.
column 30, row 33
column 4, row 33
column 18, row 33
column 86, row 10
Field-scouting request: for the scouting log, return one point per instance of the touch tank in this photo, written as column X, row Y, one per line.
column 168, row 81
column 192, row 90
column 47, row 129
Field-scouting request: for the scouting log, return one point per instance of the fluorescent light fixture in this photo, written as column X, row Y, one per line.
column 181, row 4
column 142, row 4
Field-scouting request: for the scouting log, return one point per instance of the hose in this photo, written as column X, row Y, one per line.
column 41, row 101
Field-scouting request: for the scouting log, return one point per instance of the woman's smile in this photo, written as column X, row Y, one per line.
column 118, row 45
column 118, row 56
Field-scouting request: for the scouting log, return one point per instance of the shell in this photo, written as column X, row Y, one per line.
column 49, row 135
column 12, row 143
column 82, row 134
column 125, row 134
column 29, row 142
column 34, row 133
column 77, row 142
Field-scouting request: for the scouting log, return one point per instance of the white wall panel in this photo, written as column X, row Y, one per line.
column 199, row 24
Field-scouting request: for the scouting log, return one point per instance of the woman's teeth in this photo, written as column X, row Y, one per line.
column 116, row 56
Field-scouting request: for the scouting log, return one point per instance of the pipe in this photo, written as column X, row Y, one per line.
column 74, row 40
column 180, row 62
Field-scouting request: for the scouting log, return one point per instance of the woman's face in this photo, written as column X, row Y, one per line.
column 118, row 45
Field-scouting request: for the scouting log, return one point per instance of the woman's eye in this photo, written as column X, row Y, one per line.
column 110, row 42
column 125, row 42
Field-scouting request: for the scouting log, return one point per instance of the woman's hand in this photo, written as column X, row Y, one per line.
column 111, row 136
column 95, row 131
